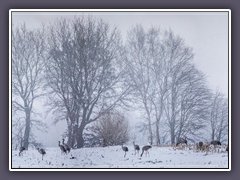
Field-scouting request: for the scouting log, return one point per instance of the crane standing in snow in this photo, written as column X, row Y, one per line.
column 41, row 151
column 136, row 148
column 146, row 148
column 21, row 150
column 125, row 149
column 66, row 146
column 63, row 150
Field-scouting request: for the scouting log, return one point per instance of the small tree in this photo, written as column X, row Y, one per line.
column 17, row 133
column 218, row 117
column 112, row 129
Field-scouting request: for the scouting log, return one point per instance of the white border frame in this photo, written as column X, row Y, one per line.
column 121, row 10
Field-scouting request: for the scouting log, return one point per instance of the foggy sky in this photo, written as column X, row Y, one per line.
column 205, row 32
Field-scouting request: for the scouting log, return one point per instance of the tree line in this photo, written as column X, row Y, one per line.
column 87, row 73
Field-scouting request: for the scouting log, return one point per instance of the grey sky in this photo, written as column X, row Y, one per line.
column 205, row 32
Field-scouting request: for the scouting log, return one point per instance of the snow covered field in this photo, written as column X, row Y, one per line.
column 113, row 157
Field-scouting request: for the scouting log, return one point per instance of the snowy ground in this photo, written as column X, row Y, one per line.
column 113, row 157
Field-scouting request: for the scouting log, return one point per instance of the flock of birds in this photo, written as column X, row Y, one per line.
column 200, row 146
column 40, row 150
column 65, row 149
column 137, row 149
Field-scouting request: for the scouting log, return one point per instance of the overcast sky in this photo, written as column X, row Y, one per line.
column 205, row 32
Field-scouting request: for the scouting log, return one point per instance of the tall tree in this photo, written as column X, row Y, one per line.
column 83, row 72
column 139, row 77
column 161, row 71
column 187, row 94
column 193, row 105
column 159, row 74
column 28, row 52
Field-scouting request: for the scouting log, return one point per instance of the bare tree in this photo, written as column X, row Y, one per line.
column 166, row 82
column 138, row 65
column 178, row 57
column 218, row 117
column 193, row 105
column 83, row 73
column 17, row 133
column 28, row 52
column 187, row 94
column 112, row 129
column 159, row 72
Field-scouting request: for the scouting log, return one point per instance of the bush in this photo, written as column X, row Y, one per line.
column 112, row 129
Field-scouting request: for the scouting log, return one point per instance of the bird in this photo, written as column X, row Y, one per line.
column 200, row 146
column 215, row 143
column 66, row 146
column 72, row 157
column 136, row 147
column 145, row 148
column 21, row 150
column 181, row 141
column 125, row 149
column 41, row 151
column 63, row 150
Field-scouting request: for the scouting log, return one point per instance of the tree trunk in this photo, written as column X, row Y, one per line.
column 213, row 135
column 27, row 130
column 172, row 136
column 157, row 134
column 70, row 141
column 219, row 135
column 150, row 132
column 173, row 117
column 80, row 140
column 158, row 142
column 149, row 124
column 104, row 143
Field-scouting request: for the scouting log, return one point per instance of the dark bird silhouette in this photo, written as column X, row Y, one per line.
column 145, row 148
column 136, row 147
column 125, row 149
column 72, row 157
column 181, row 141
column 215, row 142
column 63, row 150
column 66, row 146
column 21, row 150
column 200, row 145
column 41, row 151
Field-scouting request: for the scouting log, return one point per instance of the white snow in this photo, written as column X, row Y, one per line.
column 113, row 157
